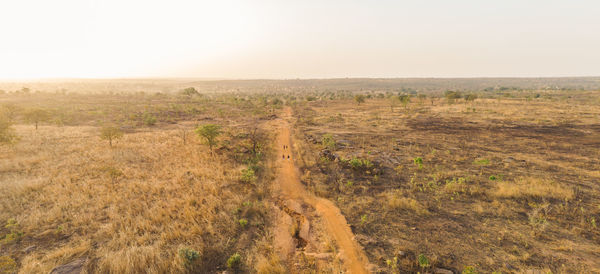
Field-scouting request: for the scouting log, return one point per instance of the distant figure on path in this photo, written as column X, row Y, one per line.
column 283, row 156
column 288, row 156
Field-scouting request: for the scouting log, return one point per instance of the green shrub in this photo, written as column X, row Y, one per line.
column 418, row 161
column 235, row 261
column 469, row 270
column 243, row 222
column 359, row 98
column 482, row 162
column 209, row 132
column 189, row 256
column 357, row 163
column 423, row 261
column 248, row 175
column 493, row 177
column 14, row 234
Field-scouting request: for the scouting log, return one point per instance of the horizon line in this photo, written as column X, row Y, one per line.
column 39, row 79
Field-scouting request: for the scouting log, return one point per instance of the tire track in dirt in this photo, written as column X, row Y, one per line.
column 289, row 184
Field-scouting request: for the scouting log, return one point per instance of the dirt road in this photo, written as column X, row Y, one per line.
column 354, row 258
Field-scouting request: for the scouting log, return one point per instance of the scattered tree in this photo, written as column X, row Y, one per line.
column 209, row 132
column 452, row 95
column 470, row 97
column 37, row 116
column 255, row 135
column 404, row 100
column 189, row 92
column 359, row 98
column 110, row 133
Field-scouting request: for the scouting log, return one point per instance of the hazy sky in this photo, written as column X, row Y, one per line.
column 298, row 39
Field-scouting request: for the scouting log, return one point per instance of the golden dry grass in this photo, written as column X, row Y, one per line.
column 129, row 208
column 397, row 202
column 533, row 187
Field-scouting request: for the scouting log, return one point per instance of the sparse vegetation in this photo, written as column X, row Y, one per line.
column 511, row 159
column 515, row 176
column 110, row 133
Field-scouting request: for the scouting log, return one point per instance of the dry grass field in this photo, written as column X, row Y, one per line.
column 149, row 203
column 506, row 185
column 507, row 182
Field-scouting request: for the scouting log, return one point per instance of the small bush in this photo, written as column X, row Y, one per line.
column 469, row 270
column 248, row 175
column 189, row 256
column 418, row 161
column 243, row 223
column 235, row 261
column 423, row 261
column 482, row 162
column 14, row 234
column 359, row 98
column 357, row 163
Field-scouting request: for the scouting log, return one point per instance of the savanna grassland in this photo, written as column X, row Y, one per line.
column 506, row 182
column 154, row 200
column 178, row 175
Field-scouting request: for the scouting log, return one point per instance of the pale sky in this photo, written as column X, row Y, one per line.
column 298, row 39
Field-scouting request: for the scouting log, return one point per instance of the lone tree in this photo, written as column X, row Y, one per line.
column 37, row 116
column 209, row 132
column 359, row 98
column 404, row 100
column 470, row 97
column 110, row 133
column 255, row 135
column 190, row 92
column 452, row 95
